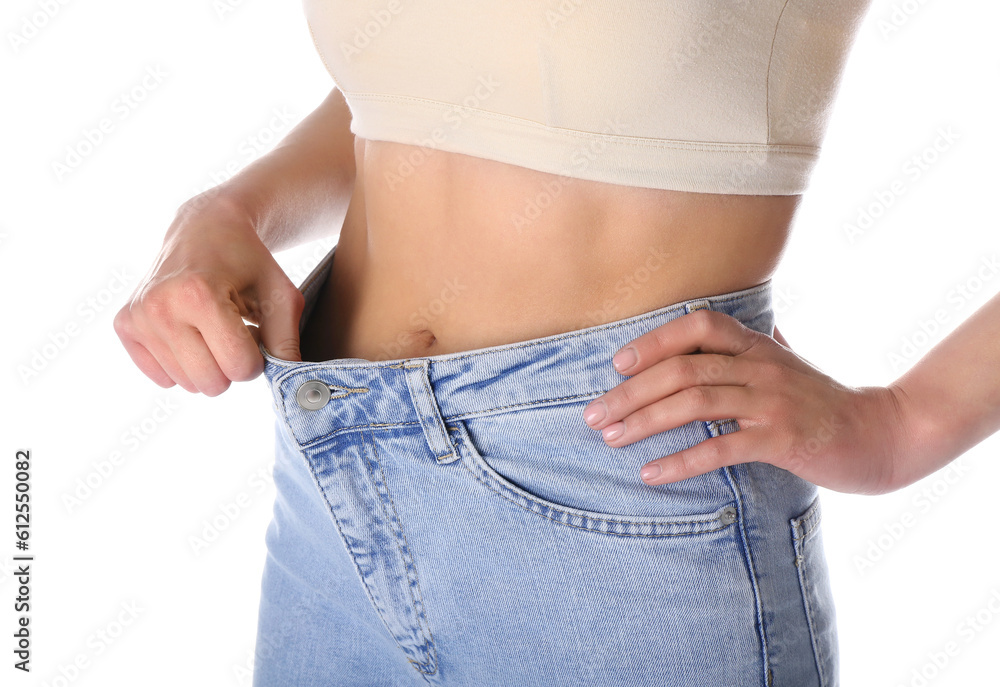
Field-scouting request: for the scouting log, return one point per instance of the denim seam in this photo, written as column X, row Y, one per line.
column 803, row 529
column 610, row 325
column 546, row 340
column 752, row 571
column 438, row 420
column 410, row 565
column 526, row 404
column 804, row 583
column 283, row 417
column 445, row 418
column 628, row 523
column 336, row 521
column 323, row 437
column 808, row 523
column 622, row 522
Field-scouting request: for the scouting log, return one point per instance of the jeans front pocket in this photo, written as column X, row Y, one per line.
column 545, row 460
column 348, row 470
column 597, row 578
column 814, row 583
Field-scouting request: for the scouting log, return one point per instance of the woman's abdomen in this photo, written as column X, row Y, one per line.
column 443, row 252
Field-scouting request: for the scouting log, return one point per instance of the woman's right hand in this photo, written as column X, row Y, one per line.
column 184, row 323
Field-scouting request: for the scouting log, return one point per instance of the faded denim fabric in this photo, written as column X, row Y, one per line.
column 451, row 520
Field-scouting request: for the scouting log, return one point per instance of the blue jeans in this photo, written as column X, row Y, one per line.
column 451, row 520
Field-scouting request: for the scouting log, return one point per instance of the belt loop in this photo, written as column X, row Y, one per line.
column 714, row 427
column 702, row 304
column 418, row 381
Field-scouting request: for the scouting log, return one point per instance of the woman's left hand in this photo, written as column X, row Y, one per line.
column 707, row 365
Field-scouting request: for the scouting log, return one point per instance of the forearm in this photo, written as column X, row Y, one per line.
column 300, row 189
column 951, row 396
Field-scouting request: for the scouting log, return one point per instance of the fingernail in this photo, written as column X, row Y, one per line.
column 651, row 471
column 613, row 431
column 624, row 359
column 595, row 412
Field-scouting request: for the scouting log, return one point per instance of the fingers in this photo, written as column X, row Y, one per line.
column 192, row 333
column 279, row 323
column 706, row 456
column 705, row 330
column 779, row 338
column 230, row 344
column 147, row 363
column 663, row 379
column 190, row 351
column 170, row 351
column 153, row 357
column 694, row 403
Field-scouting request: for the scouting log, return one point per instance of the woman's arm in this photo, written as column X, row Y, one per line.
column 184, row 323
column 301, row 188
column 862, row 440
column 951, row 396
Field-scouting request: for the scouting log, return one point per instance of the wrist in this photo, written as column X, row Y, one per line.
column 919, row 441
column 217, row 205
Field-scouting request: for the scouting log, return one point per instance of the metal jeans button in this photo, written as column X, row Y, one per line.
column 313, row 395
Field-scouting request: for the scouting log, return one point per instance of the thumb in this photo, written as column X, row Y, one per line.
column 279, row 325
column 777, row 337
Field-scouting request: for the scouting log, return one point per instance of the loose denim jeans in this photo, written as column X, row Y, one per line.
column 451, row 520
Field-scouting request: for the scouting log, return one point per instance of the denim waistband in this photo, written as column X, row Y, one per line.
column 431, row 390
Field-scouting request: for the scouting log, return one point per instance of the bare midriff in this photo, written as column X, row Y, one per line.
column 457, row 253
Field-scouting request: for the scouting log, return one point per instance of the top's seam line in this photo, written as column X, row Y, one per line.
column 625, row 140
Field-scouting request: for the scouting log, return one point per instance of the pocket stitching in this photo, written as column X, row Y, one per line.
column 803, row 585
column 469, row 453
column 804, row 528
column 380, row 609
column 410, row 565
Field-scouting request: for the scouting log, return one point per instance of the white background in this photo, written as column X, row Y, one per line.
column 846, row 306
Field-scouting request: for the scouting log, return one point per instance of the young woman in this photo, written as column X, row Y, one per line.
column 535, row 425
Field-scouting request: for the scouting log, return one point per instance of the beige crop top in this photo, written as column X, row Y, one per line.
column 712, row 96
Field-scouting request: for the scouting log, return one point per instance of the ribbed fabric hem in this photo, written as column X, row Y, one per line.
column 697, row 167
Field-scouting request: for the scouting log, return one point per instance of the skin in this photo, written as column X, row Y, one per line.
column 868, row 440
column 434, row 264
